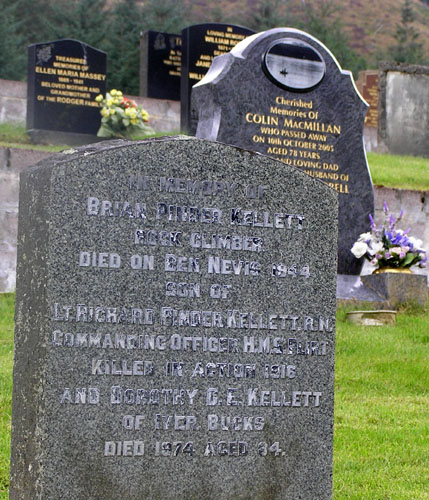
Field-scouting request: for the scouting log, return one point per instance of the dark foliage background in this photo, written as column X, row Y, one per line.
column 115, row 26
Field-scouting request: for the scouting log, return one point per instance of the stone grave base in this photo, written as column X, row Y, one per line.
column 397, row 288
column 372, row 318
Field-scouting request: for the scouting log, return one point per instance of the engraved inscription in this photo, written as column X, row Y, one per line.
column 232, row 352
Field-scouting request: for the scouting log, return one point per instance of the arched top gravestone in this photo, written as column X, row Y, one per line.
column 64, row 78
column 282, row 93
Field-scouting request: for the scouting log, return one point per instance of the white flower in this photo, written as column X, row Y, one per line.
column 376, row 247
column 359, row 249
column 417, row 244
column 365, row 237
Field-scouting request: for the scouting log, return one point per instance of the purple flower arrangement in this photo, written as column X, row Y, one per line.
column 386, row 246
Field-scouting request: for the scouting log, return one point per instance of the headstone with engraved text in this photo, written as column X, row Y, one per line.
column 64, row 78
column 282, row 93
column 201, row 43
column 175, row 326
column 160, row 65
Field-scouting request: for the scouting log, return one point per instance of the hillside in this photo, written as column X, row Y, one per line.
column 370, row 24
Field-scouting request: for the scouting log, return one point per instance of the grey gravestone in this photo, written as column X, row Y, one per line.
column 175, row 319
column 403, row 121
column 282, row 93
column 64, row 78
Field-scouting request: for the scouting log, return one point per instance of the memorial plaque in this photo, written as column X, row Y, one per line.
column 200, row 44
column 161, row 56
column 175, row 326
column 64, row 78
column 370, row 94
column 283, row 94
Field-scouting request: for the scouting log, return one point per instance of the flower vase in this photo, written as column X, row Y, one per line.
column 400, row 270
column 398, row 286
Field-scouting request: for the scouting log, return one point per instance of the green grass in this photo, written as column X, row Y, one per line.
column 6, row 360
column 381, row 438
column 15, row 136
column 395, row 171
column 405, row 172
column 382, row 410
column 13, row 133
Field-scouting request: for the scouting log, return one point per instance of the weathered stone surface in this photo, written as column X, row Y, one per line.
column 13, row 101
column 372, row 318
column 403, row 125
column 282, row 93
column 12, row 161
column 397, row 288
column 96, row 327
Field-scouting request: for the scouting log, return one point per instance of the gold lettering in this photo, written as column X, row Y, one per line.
column 46, row 71
column 91, row 76
column 313, row 126
column 262, row 119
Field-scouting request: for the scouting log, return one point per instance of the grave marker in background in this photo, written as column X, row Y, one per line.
column 64, row 77
column 175, row 318
column 200, row 44
column 403, row 122
column 160, row 65
column 283, row 94
column 367, row 84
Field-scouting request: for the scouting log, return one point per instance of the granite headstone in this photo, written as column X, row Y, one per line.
column 282, row 93
column 160, row 65
column 175, row 326
column 64, row 78
column 200, row 44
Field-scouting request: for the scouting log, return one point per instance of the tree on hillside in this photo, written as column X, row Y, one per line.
column 32, row 15
column 165, row 15
column 123, row 46
column 266, row 15
column 13, row 54
column 408, row 48
column 84, row 20
column 323, row 23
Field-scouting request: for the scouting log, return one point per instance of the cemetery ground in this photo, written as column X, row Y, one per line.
column 395, row 171
column 381, row 406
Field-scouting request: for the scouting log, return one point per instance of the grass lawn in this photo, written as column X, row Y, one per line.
column 381, row 445
column 406, row 172
column 381, row 439
column 6, row 360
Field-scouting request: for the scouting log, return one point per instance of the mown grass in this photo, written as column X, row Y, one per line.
column 395, row 171
column 382, row 410
column 405, row 172
column 381, row 407
column 15, row 136
column 6, row 361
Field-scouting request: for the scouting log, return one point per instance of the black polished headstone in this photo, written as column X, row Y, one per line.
column 282, row 93
column 64, row 78
column 160, row 66
column 201, row 43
